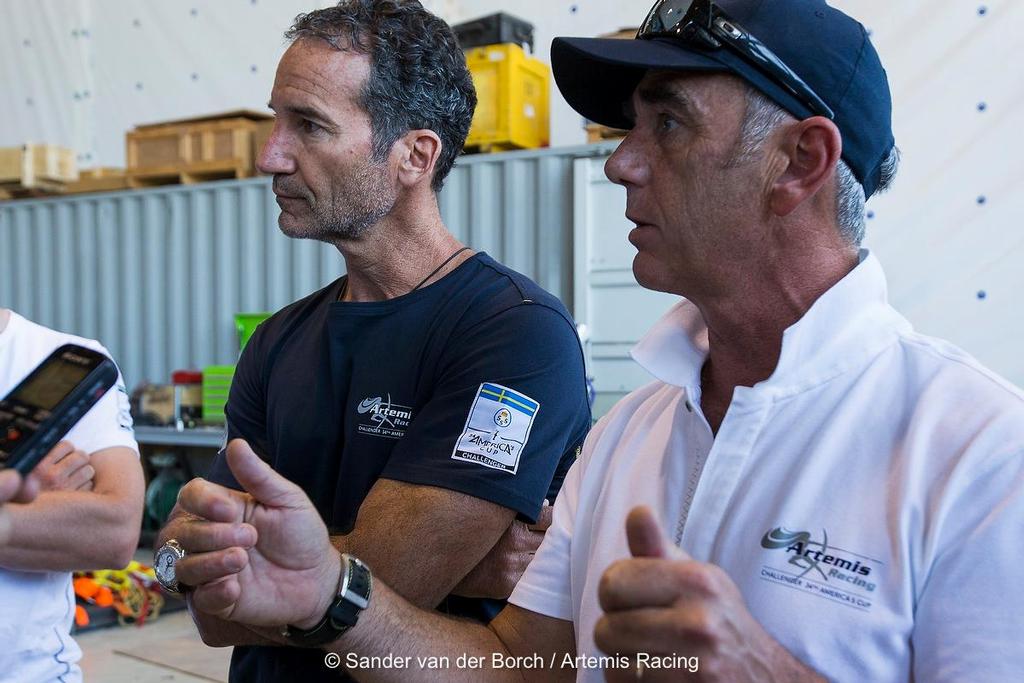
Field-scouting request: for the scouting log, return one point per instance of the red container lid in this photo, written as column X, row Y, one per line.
column 187, row 377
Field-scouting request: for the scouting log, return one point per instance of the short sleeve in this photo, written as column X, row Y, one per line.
column 510, row 404
column 245, row 410
column 970, row 615
column 108, row 424
column 546, row 586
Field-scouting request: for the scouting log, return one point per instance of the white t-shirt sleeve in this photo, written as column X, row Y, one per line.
column 546, row 587
column 970, row 613
column 109, row 423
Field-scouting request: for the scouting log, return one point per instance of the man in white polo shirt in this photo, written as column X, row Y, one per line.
column 87, row 516
column 809, row 489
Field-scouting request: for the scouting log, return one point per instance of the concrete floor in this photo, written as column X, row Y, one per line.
column 172, row 639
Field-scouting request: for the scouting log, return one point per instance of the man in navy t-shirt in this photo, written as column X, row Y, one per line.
column 431, row 396
column 474, row 384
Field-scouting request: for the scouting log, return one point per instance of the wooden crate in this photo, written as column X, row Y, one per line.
column 102, row 179
column 193, row 150
column 35, row 170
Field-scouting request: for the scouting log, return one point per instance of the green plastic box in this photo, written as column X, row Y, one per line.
column 216, row 385
column 246, row 324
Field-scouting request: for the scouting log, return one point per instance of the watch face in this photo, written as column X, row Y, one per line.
column 164, row 569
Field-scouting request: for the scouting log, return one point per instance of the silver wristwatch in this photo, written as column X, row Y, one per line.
column 167, row 556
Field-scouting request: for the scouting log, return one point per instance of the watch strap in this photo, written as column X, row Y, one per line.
column 352, row 598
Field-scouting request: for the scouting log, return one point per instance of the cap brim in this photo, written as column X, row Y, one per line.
column 598, row 75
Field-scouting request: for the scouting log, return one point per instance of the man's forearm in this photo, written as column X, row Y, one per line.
column 69, row 530
column 428, row 646
column 217, row 632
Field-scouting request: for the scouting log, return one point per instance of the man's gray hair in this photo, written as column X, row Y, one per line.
column 763, row 116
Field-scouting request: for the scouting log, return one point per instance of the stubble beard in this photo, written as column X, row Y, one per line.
column 358, row 205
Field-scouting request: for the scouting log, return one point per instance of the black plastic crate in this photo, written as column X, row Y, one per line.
column 494, row 29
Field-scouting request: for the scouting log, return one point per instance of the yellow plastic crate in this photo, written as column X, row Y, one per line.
column 512, row 90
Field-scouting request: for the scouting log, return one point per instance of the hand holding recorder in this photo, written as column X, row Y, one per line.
column 37, row 414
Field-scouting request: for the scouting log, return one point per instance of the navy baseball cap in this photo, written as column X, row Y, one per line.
column 828, row 50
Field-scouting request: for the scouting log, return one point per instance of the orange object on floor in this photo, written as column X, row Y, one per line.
column 104, row 597
column 85, row 587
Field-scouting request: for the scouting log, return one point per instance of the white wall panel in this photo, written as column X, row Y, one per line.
column 949, row 232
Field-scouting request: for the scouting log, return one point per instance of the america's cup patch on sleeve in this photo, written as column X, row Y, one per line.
column 497, row 428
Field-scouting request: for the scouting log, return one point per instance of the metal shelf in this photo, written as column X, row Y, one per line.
column 212, row 437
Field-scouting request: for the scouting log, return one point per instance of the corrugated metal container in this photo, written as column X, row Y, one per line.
column 158, row 275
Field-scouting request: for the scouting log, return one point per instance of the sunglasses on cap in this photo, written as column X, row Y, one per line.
column 699, row 24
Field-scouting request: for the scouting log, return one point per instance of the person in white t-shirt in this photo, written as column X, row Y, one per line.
column 808, row 490
column 87, row 515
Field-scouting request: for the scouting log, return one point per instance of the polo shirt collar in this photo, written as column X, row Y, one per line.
column 849, row 322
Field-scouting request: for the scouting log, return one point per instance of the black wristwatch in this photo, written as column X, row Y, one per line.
column 353, row 597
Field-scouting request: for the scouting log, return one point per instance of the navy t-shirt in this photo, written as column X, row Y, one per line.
column 474, row 383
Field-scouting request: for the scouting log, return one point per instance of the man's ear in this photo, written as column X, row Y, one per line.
column 810, row 150
column 418, row 153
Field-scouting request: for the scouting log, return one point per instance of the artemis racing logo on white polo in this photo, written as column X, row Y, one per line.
column 384, row 418
column 827, row 571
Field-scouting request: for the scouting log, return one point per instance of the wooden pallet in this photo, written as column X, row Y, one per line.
column 188, row 174
column 39, row 190
column 103, row 179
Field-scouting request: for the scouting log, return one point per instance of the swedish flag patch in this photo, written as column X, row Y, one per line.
column 497, row 428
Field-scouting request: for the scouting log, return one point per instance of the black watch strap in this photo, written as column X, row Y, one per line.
column 353, row 597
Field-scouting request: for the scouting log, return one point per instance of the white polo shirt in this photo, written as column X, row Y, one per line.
column 37, row 608
column 867, row 498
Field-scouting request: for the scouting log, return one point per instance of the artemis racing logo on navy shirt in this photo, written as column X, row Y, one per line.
column 383, row 418
column 827, row 571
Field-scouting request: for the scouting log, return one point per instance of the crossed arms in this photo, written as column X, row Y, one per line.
column 87, row 515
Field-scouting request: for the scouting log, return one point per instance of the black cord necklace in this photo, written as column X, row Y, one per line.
column 344, row 290
column 439, row 268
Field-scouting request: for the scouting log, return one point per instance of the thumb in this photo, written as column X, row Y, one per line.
column 260, row 480
column 646, row 538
